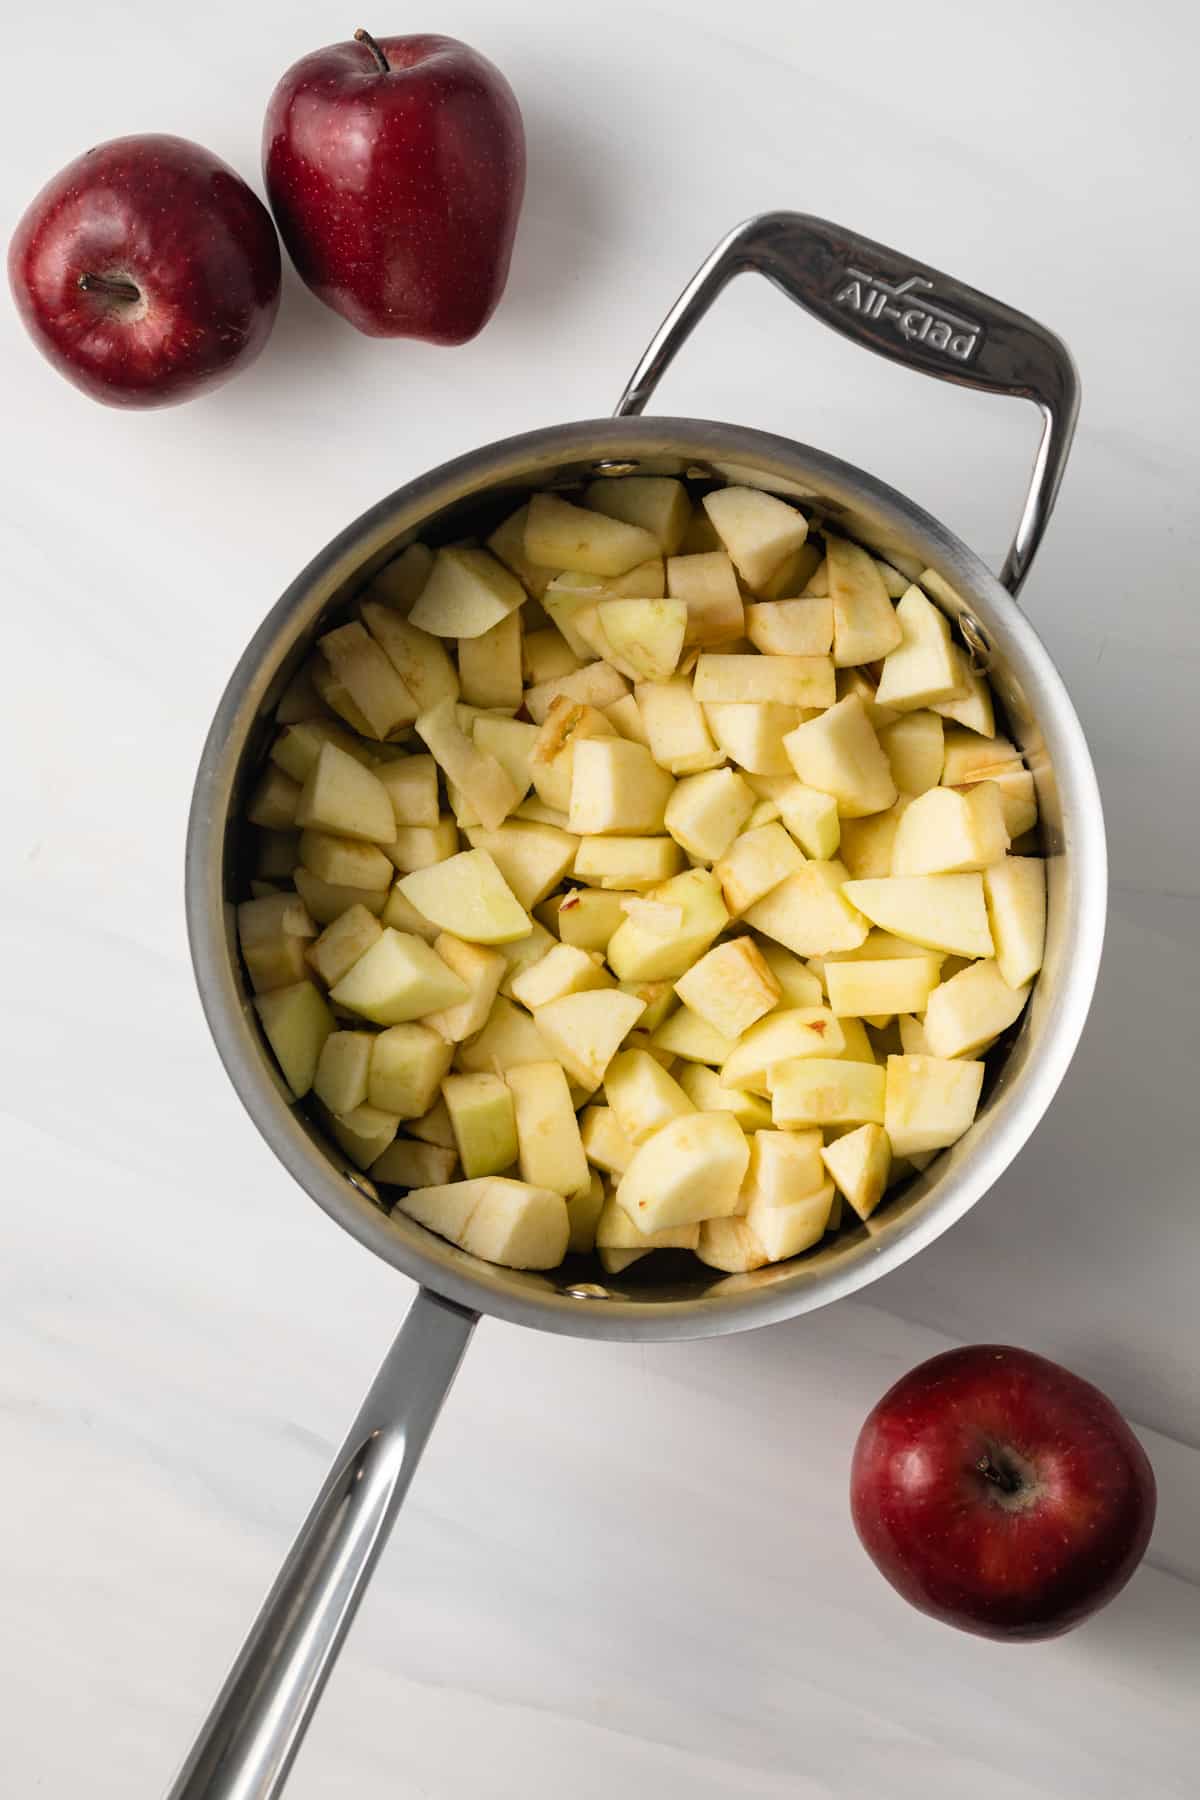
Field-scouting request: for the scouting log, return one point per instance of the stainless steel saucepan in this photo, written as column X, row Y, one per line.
column 914, row 315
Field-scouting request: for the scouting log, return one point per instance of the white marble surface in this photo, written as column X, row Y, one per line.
column 622, row 1570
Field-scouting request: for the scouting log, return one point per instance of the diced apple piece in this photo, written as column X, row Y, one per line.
column 642, row 1096
column 645, row 636
column 563, row 536
column 613, row 1261
column 327, row 902
column 522, row 952
column 861, row 1165
column 756, row 529
column 400, row 582
column 731, row 986
column 583, row 1216
column 866, row 845
column 518, row 1226
column 483, row 971
column 567, row 724
column 655, row 916
column 274, row 800
column 786, row 680
column 730, row 1245
column 563, row 970
column 707, row 1093
column 948, row 831
column 965, row 1013
column 535, row 812
column 411, row 784
column 838, row 752
column 402, row 915
column 409, row 1165
column 1015, row 890
column 1018, row 798
column 970, row 757
column 341, row 944
column 865, row 990
column 273, row 935
column 784, row 1166
column 584, row 1031
column 509, row 1039
column 508, row 543
column 627, row 862
column 615, row 1230
column 922, row 670
column 300, row 699
column 467, row 895
column 587, row 917
column 797, row 984
column 489, row 666
column 782, row 1037
column 356, row 661
column 796, row 1226
column 340, row 1082
column 685, row 1034
column 550, row 1149
column 942, row 912
column 364, row 1134
column 418, row 657
column 690, row 1170
column 420, row 846
column 596, row 684
column 296, row 1022
column 931, row 1101
column 817, row 584
column 626, row 720
column 484, row 781
column 751, row 732
column 810, row 912
column 705, row 812
column 336, row 698
column 408, row 1063
column 603, row 1140
column 482, row 1114
column 675, row 726
column 399, row 978
column 791, row 627
column 468, row 592
column 546, row 654
column 819, row 1091
column 972, row 705
column 857, row 681
column 344, row 862
column 865, row 627
column 637, row 955
column 812, row 819
column 915, row 751
column 531, row 858
column 655, row 502
column 754, row 863
column 445, row 1207
column 708, row 587
column 341, row 796
column 296, row 750
column 616, row 786
column 434, row 1127
column 660, row 1002
column 793, row 574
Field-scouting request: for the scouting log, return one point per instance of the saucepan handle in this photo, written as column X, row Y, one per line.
column 904, row 310
column 249, row 1740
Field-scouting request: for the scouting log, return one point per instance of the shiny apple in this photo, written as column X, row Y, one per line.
column 146, row 271
column 1001, row 1494
column 396, row 169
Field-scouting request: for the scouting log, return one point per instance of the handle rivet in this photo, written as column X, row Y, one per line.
column 587, row 1290
column 978, row 643
column 614, row 468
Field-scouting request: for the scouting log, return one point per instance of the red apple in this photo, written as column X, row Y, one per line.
column 1000, row 1493
column 146, row 271
column 396, row 171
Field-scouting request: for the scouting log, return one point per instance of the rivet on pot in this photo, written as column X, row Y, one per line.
column 587, row 1290
column 978, row 643
column 614, row 468
column 366, row 1188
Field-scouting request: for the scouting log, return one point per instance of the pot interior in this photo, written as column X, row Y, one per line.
column 667, row 1293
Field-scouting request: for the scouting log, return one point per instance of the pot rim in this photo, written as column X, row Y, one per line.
column 981, row 1156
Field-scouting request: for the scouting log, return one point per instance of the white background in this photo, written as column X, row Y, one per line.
column 622, row 1570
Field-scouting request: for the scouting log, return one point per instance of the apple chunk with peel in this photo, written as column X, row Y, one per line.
column 296, row 1021
column 941, row 912
column 484, row 781
column 635, row 954
column 468, row 592
column 811, row 912
column 616, row 786
column 865, row 626
column 1015, row 890
column 342, row 797
column 819, row 1091
column 946, row 831
column 690, row 1170
column 965, row 1013
column 931, row 1101
column 861, row 1165
column 585, row 1031
column 754, row 863
column 562, row 536
column 782, row 1037
column 756, row 529
column 399, row 978
column 482, row 1114
column 838, row 753
column 922, row 669
column 550, row 1148
column 407, row 1065
column 467, row 895
column 731, row 986
column 642, row 1096
column 615, row 1230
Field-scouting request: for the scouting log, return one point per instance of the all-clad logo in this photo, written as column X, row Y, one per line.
column 912, row 308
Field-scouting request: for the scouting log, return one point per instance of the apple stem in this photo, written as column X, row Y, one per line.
column 111, row 285
column 364, row 37
column 999, row 1474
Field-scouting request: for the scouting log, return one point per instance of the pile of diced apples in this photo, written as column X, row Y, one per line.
column 642, row 879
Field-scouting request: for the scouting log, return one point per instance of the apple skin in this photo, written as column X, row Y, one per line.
column 397, row 191
column 1026, row 1565
column 179, row 224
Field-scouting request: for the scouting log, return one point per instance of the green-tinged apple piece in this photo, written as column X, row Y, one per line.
column 481, row 1112
column 364, row 1134
column 562, row 536
column 296, row 1021
column 399, row 978
column 340, row 1082
column 468, row 592
column 408, row 1063
column 342, row 797
column 551, row 1152
column 645, row 637
column 467, row 895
